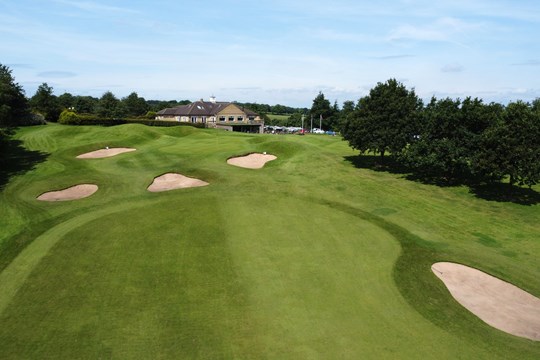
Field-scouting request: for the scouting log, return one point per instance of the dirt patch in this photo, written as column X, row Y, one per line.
column 498, row 303
column 172, row 181
column 73, row 193
column 251, row 161
column 103, row 153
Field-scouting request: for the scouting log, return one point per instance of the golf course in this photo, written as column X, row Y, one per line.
column 318, row 254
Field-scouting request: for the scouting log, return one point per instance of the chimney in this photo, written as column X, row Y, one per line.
column 213, row 99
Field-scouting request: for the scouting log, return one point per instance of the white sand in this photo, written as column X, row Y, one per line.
column 103, row 153
column 72, row 193
column 251, row 161
column 171, row 181
column 498, row 303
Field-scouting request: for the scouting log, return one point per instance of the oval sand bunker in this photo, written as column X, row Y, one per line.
column 251, row 161
column 172, row 181
column 103, row 153
column 73, row 193
column 498, row 303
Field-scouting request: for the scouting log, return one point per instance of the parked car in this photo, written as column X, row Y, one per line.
column 317, row 131
column 330, row 132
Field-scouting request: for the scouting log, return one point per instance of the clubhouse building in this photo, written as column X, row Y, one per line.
column 220, row 115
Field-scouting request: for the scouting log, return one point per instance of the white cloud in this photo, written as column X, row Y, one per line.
column 56, row 74
column 532, row 62
column 445, row 29
column 95, row 7
column 452, row 68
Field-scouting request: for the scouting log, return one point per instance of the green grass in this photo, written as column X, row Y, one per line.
column 279, row 117
column 308, row 257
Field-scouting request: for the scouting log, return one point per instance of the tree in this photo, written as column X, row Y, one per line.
column 46, row 103
column 110, row 107
column 346, row 111
column 321, row 108
column 14, row 108
column 85, row 104
column 384, row 121
column 135, row 105
column 438, row 152
column 449, row 139
column 66, row 101
column 511, row 147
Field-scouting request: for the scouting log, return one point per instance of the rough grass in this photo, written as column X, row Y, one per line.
column 308, row 257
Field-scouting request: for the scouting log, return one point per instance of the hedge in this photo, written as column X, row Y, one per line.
column 71, row 118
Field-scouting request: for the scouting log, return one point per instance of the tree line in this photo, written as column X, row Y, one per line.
column 448, row 140
column 44, row 105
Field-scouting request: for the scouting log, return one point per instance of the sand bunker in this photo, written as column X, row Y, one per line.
column 251, row 161
column 72, row 193
column 498, row 303
column 103, row 153
column 172, row 181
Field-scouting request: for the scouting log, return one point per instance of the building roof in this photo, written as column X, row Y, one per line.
column 202, row 108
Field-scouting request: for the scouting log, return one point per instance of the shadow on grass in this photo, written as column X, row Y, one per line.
column 14, row 158
column 506, row 193
column 376, row 163
column 491, row 192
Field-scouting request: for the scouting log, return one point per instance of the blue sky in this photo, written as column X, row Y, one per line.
column 274, row 51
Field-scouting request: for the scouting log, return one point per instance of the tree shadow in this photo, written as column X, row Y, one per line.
column 506, row 193
column 491, row 192
column 14, row 158
column 375, row 163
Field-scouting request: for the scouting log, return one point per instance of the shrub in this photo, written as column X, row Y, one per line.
column 68, row 117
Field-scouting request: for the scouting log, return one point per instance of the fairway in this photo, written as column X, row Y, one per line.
column 307, row 257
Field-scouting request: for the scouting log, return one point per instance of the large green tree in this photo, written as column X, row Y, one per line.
column 66, row 101
column 86, row 104
column 384, row 121
column 449, row 138
column 46, row 103
column 109, row 106
column 346, row 111
column 135, row 105
column 321, row 109
column 14, row 108
column 511, row 147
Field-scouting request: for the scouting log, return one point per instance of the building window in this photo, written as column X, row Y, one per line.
column 240, row 118
column 193, row 119
column 251, row 118
column 231, row 118
column 222, row 118
column 204, row 119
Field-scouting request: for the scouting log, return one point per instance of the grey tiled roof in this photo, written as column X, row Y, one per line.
column 201, row 108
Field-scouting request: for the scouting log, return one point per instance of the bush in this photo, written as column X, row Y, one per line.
column 68, row 117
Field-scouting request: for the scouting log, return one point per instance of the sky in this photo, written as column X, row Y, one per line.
column 274, row 52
